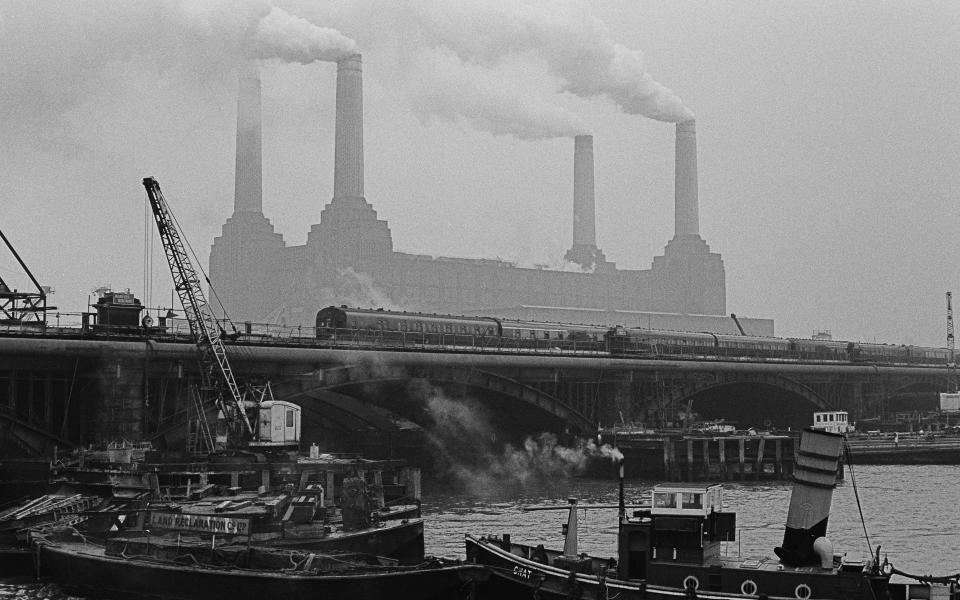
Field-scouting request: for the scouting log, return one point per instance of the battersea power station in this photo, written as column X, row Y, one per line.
column 349, row 257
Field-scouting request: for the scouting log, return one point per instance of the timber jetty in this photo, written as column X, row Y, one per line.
column 676, row 456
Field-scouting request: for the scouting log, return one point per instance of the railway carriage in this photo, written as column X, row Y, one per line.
column 382, row 327
column 377, row 326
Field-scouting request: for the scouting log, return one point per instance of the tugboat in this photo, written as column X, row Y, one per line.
column 672, row 550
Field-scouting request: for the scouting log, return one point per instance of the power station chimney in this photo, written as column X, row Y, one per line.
column 686, row 210
column 584, row 251
column 584, row 204
column 248, row 183
column 348, row 153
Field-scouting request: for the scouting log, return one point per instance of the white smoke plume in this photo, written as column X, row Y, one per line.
column 294, row 39
column 469, row 448
column 357, row 288
column 575, row 46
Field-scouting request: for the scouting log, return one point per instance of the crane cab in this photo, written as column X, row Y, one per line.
column 278, row 424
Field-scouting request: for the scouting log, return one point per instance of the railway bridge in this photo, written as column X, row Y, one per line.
column 61, row 390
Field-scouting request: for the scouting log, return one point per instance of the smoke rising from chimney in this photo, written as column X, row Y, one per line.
column 293, row 39
column 576, row 47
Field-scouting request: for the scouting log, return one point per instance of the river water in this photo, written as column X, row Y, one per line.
column 913, row 512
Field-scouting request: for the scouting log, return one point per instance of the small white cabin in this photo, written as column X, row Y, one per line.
column 279, row 424
column 686, row 499
column 835, row 421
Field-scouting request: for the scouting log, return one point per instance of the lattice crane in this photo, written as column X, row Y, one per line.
column 950, row 343
column 204, row 327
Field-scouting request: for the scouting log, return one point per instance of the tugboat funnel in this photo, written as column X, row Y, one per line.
column 814, row 476
column 570, row 540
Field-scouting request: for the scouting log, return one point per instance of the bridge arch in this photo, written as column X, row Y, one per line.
column 337, row 378
column 758, row 400
column 771, row 380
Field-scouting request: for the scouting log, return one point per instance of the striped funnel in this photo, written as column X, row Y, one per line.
column 814, row 477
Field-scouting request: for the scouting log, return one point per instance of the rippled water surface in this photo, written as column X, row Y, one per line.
column 912, row 511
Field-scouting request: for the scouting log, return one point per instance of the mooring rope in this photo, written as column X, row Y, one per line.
column 856, row 494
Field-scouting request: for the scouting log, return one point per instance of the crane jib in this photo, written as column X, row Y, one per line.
column 203, row 324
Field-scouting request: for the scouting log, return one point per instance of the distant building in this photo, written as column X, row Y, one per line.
column 349, row 257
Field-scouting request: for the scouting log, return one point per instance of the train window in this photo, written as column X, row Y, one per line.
column 434, row 328
column 489, row 330
column 403, row 326
column 560, row 336
column 546, row 335
column 476, row 330
column 517, row 333
column 463, row 329
column 449, row 328
column 418, row 326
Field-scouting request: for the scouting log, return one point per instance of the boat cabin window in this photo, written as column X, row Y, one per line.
column 687, row 500
column 664, row 500
column 691, row 500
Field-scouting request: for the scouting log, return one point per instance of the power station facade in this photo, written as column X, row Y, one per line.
column 349, row 258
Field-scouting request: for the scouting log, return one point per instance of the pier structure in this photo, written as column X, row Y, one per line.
column 707, row 458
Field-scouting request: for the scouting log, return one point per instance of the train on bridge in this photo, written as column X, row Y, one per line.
column 412, row 329
column 384, row 329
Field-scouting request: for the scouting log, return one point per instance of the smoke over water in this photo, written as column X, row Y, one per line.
column 470, row 451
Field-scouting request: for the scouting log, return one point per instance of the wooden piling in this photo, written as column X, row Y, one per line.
column 778, row 453
column 758, row 467
column 706, row 458
column 742, row 456
column 723, row 460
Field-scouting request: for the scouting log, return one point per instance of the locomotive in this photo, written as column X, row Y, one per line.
column 379, row 326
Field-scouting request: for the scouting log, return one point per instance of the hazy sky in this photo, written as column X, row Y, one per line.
column 828, row 133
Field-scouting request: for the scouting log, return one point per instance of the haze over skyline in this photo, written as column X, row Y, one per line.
column 827, row 148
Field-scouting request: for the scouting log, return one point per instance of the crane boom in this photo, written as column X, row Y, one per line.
column 950, row 343
column 203, row 323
